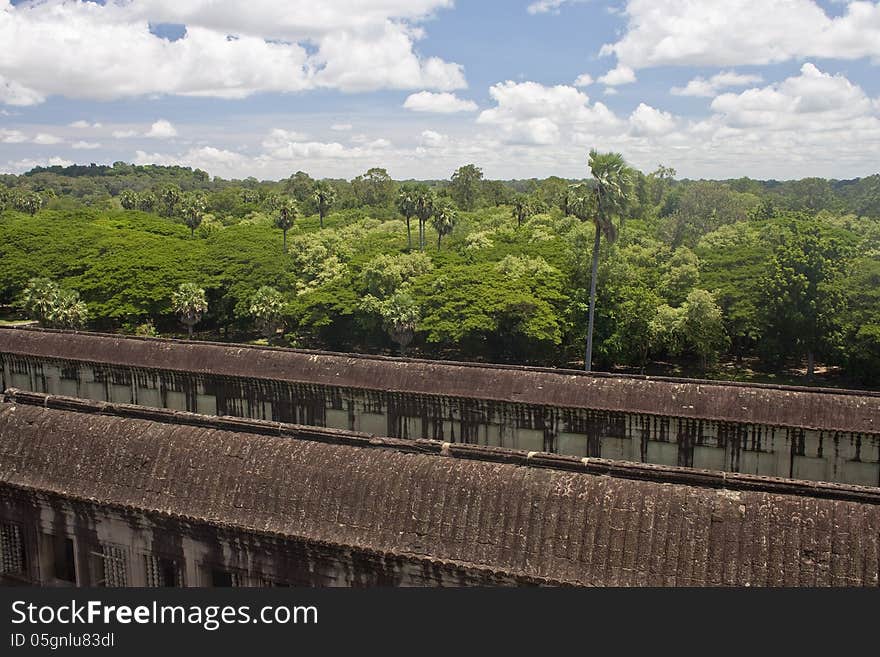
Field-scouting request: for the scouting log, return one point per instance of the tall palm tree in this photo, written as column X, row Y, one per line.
column 425, row 202
column 193, row 212
column 444, row 221
column 406, row 205
column 600, row 203
column 324, row 197
column 287, row 211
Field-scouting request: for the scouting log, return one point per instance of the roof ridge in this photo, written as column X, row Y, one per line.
column 594, row 466
column 818, row 390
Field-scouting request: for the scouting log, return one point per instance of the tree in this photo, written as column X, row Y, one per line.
column 170, row 197
column 38, row 298
column 802, row 302
column 406, row 205
column 702, row 326
column 466, row 184
column 53, row 306
column 400, row 317
column 607, row 201
column 324, row 197
column 128, row 200
column 266, row 307
column 375, row 187
column 444, row 220
column 29, row 202
column 286, row 211
column 146, row 201
column 522, row 209
column 189, row 303
column 193, row 209
column 300, row 186
column 425, row 202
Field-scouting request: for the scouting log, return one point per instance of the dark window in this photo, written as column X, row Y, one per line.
column 222, row 578
column 64, row 561
column 110, row 566
column 163, row 572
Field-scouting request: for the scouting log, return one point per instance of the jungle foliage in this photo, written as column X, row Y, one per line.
column 781, row 273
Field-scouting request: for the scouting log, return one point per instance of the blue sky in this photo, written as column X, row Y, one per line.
column 766, row 88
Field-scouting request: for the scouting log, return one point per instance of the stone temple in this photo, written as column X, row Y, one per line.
column 147, row 462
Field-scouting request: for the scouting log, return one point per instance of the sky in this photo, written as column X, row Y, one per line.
column 522, row 88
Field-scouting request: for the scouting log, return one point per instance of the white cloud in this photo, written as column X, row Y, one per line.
column 740, row 32
column 618, row 76
column 161, row 129
column 531, row 113
column 85, row 145
column 229, row 50
column 124, row 134
column 583, row 80
column 12, row 136
column 646, row 121
column 20, row 166
column 702, row 87
column 80, row 124
column 812, row 100
column 341, row 127
column 45, row 139
column 545, row 6
column 440, row 103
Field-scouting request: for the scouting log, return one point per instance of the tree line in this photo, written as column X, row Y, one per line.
column 620, row 268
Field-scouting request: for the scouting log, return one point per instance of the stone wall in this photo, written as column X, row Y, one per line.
column 747, row 447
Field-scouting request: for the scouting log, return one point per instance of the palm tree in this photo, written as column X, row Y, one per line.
column 287, row 211
column 400, row 317
column 128, row 199
column 601, row 203
column 443, row 221
column 189, row 302
column 53, row 306
column 406, row 205
column 522, row 209
column 193, row 212
column 425, row 202
column 267, row 308
column 324, row 197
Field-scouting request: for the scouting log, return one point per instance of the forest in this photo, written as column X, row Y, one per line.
column 739, row 279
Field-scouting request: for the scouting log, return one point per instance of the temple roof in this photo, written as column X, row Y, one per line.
column 785, row 406
column 538, row 517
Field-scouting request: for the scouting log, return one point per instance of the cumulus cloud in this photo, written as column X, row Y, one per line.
column 85, row 145
column 440, row 103
column 20, row 166
column 618, row 76
column 531, row 113
column 229, row 49
column 740, row 32
column 583, row 80
column 124, row 134
column 341, row 127
column 161, row 129
column 646, row 120
column 700, row 86
column 813, row 100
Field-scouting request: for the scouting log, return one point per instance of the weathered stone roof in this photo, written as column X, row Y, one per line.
column 787, row 406
column 538, row 517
